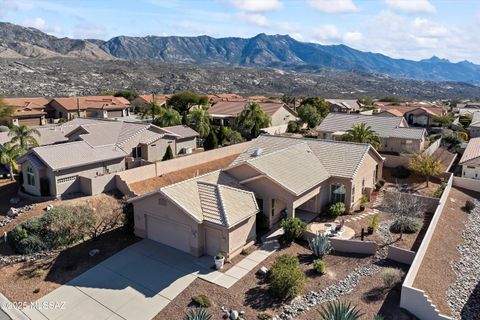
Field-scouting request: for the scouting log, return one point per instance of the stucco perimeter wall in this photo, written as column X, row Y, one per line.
column 466, row 183
column 354, row 246
column 433, row 147
column 400, row 255
column 412, row 299
column 163, row 167
column 430, row 204
column 97, row 185
column 392, row 161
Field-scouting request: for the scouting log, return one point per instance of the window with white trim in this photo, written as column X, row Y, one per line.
column 337, row 192
column 30, row 176
column 137, row 152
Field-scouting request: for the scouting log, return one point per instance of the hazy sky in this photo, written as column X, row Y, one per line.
column 412, row 29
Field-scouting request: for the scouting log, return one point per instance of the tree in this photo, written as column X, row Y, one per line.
column 24, row 136
column 167, row 118
column 251, row 120
column 308, row 114
column 391, row 99
column 9, row 154
column 366, row 100
column 183, row 101
column 5, row 111
column 465, row 120
column 320, row 104
column 168, row 154
column 152, row 109
column 362, row 133
column 404, row 207
column 211, row 142
column 425, row 166
column 444, row 120
column 199, row 120
column 127, row 94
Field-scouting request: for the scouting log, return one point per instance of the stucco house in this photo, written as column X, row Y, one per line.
column 395, row 135
column 474, row 127
column 94, row 148
column 470, row 160
column 415, row 113
column 88, row 106
column 142, row 100
column 343, row 105
column 27, row 111
column 276, row 177
column 226, row 112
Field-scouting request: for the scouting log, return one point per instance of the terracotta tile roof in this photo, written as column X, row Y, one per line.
column 89, row 102
column 27, row 112
column 34, row 103
column 234, row 108
column 161, row 99
column 395, row 112
column 472, row 151
column 433, row 110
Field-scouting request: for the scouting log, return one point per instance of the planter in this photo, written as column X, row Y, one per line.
column 362, row 207
column 370, row 230
column 219, row 262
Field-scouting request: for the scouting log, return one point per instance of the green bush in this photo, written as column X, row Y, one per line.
column 340, row 310
column 469, row 206
column 31, row 244
column 320, row 245
column 336, row 209
column 286, row 279
column 374, row 222
column 197, row 314
column 293, row 126
column 401, row 172
column 409, row 226
column 319, row 266
column 264, row 316
column 391, row 277
column 293, row 228
column 202, row 301
column 211, row 142
column 438, row 193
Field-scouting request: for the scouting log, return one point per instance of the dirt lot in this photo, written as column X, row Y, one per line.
column 28, row 281
column 436, row 274
column 252, row 296
column 149, row 185
column 414, row 181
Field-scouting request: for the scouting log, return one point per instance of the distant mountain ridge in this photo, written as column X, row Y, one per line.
column 261, row 51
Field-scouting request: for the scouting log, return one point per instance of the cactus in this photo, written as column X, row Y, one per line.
column 320, row 245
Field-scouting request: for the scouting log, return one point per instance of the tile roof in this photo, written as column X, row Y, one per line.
column 161, row 99
column 24, row 112
column 394, row 112
column 89, row 102
column 35, row 102
column 182, row 131
column 215, row 197
column 404, row 108
column 75, row 154
column 385, row 127
column 472, row 151
column 349, row 104
column 34, row 161
column 233, row 108
column 475, row 119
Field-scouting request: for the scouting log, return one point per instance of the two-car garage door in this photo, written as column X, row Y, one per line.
column 168, row 232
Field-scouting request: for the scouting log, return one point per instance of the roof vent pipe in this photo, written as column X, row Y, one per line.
column 257, row 152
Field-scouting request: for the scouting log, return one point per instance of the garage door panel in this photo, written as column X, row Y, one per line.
column 168, row 232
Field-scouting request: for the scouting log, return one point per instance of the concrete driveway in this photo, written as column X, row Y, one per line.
column 136, row 283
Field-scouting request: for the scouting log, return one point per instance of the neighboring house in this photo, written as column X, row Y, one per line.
column 389, row 113
column 88, row 106
column 416, row 114
column 395, row 135
column 342, row 105
column 214, row 98
column 470, row 160
column 469, row 107
column 474, row 128
column 142, row 100
column 27, row 111
column 276, row 176
column 186, row 140
column 95, row 148
column 226, row 112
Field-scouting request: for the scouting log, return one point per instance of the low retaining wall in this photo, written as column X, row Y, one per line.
column 466, row 183
column 412, row 299
column 400, row 255
column 354, row 246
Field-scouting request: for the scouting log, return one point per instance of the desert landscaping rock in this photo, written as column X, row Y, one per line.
column 463, row 295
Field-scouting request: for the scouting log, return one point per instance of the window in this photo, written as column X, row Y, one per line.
column 66, row 179
column 273, row 207
column 137, row 152
column 30, row 176
column 353, row 194
column 374, row 180
column 337, row 193
column 363, row 184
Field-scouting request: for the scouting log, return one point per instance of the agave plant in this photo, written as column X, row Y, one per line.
column 197, row 314
column 340, row 310
column 378, row 317
column 320, row 245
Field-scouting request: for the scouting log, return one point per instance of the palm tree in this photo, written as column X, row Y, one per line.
column 152, row 109
column 362, row 133
column 24, row 136
column 9, row 155
column 167, row 118
column 251, row 120
column 340, row 310
column 199, row 120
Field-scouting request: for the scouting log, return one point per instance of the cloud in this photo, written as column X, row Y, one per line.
column 257, row 5
column 411, row 6
column 7, row 6
column 326, row 33
column 429, row 29
column 84, row 31
column 253, row 18
column 352, row 37
column 37, row 23
column 333, row 6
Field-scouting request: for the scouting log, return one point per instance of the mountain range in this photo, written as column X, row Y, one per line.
column 262, row 51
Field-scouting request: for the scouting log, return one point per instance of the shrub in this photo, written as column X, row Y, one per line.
column 391, row 277
column 4, row 129
column 202, row 301
column 401, row 172
column 319, row 266
column 378, row 317
column 31, row 244
column 320, row 245
column 197, row 314
column 293, row 126
column 469, row 206
column 264, row 316
column 336, row 209
column 340, row 310
column 438, row 193
column 168, row 154
column 409, row 226
column 286, row 279
column 374, row 222
column 244, row 252
column 211, row 142
column 293, row 228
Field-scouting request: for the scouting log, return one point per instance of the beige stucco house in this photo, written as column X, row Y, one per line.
column 276, row 177
column 474, row 127
column 395, row 135
column 27, row 111
column 88, row 106
column 343, row 105
column 470, row 160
